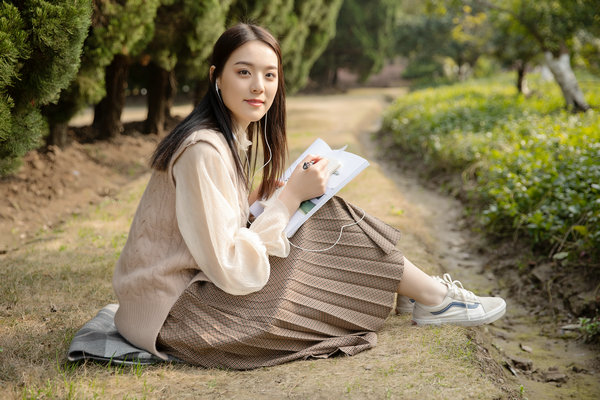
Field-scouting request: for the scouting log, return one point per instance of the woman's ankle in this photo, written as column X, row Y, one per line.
column 435, row 295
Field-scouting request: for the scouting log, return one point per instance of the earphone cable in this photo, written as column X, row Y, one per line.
column 336, row 242
column 268, row 147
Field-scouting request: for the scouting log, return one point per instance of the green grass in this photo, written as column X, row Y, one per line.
column 531, row 168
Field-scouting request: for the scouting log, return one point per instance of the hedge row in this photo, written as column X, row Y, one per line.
column 533, row 167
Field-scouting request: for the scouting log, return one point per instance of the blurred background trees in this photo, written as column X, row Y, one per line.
column 59, row 57
column 119, row 30
column 512, row 49
column 180, row 38
column 123, row 30
column 304, row 28
column 553, row 25
column 363, row 41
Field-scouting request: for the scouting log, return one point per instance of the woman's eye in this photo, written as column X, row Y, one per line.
column 271, row 75
column 244, row 72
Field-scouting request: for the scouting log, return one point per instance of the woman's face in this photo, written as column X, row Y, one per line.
column 248, row 82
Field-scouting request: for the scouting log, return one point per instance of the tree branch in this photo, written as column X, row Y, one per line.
column 536, row 35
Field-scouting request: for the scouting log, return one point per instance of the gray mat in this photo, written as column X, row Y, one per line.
column 99, row 340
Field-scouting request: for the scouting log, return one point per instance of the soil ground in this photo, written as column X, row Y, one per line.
column 64, row 218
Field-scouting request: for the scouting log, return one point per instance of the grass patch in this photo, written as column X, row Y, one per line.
column 531, row 168
column 50, row 288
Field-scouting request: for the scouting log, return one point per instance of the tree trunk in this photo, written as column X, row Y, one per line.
column 563, row 75
column 58, row 135
column 333, row 73
column 170, row 94
column 157, row 99
column 107, row 113
column 521, row 81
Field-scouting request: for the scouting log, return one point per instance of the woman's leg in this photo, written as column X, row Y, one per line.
column 444, row 301
column 421, row 287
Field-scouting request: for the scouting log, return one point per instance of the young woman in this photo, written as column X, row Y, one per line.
column 197, row 281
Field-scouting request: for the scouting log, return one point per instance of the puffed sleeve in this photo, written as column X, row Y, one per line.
column 233, row 257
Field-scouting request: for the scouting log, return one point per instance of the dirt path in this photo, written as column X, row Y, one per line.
column 408, row 362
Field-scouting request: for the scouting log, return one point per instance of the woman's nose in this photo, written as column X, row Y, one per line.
column 257, row 86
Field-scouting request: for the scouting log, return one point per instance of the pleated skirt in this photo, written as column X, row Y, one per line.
column 316, row 304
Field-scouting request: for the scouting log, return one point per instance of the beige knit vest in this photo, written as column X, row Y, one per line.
column 155, row 266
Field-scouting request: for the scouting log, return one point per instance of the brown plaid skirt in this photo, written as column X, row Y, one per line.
column 316, row 304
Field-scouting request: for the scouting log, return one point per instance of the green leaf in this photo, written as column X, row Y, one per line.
column 582, row 230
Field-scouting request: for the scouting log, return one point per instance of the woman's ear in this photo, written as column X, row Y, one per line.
column 211, row 72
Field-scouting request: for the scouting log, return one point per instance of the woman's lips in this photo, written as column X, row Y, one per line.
column 255, row 102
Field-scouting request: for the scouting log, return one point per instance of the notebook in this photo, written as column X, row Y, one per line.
column 343, row 167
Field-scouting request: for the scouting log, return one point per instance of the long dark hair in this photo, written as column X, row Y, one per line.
column 211, row 113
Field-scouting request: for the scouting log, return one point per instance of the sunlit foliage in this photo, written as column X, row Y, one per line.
column 535, row 168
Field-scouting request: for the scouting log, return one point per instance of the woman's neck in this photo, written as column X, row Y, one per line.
column 241, row 137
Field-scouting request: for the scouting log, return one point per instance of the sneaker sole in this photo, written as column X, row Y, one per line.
column 486, row 319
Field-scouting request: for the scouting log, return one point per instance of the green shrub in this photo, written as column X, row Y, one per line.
column 535, row 167
column 590, row 329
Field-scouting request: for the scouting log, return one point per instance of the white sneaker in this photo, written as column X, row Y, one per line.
column 460, row 307
column 404, row 305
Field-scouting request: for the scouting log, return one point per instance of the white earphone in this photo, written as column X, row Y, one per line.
column 217, row 90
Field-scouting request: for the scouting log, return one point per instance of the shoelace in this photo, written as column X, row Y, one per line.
column 457, row 290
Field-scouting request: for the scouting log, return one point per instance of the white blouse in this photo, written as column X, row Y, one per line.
column 212, row 220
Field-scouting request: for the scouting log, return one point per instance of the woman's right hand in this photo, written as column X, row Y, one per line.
column 305, row 184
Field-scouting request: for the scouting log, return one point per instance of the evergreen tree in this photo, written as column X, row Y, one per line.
column 304, row 28
column 424, row 39
column 120, row 29
column 363, row 40
column 310, row 29
column 40, row 48
column 129, row 28
column 180, row 37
